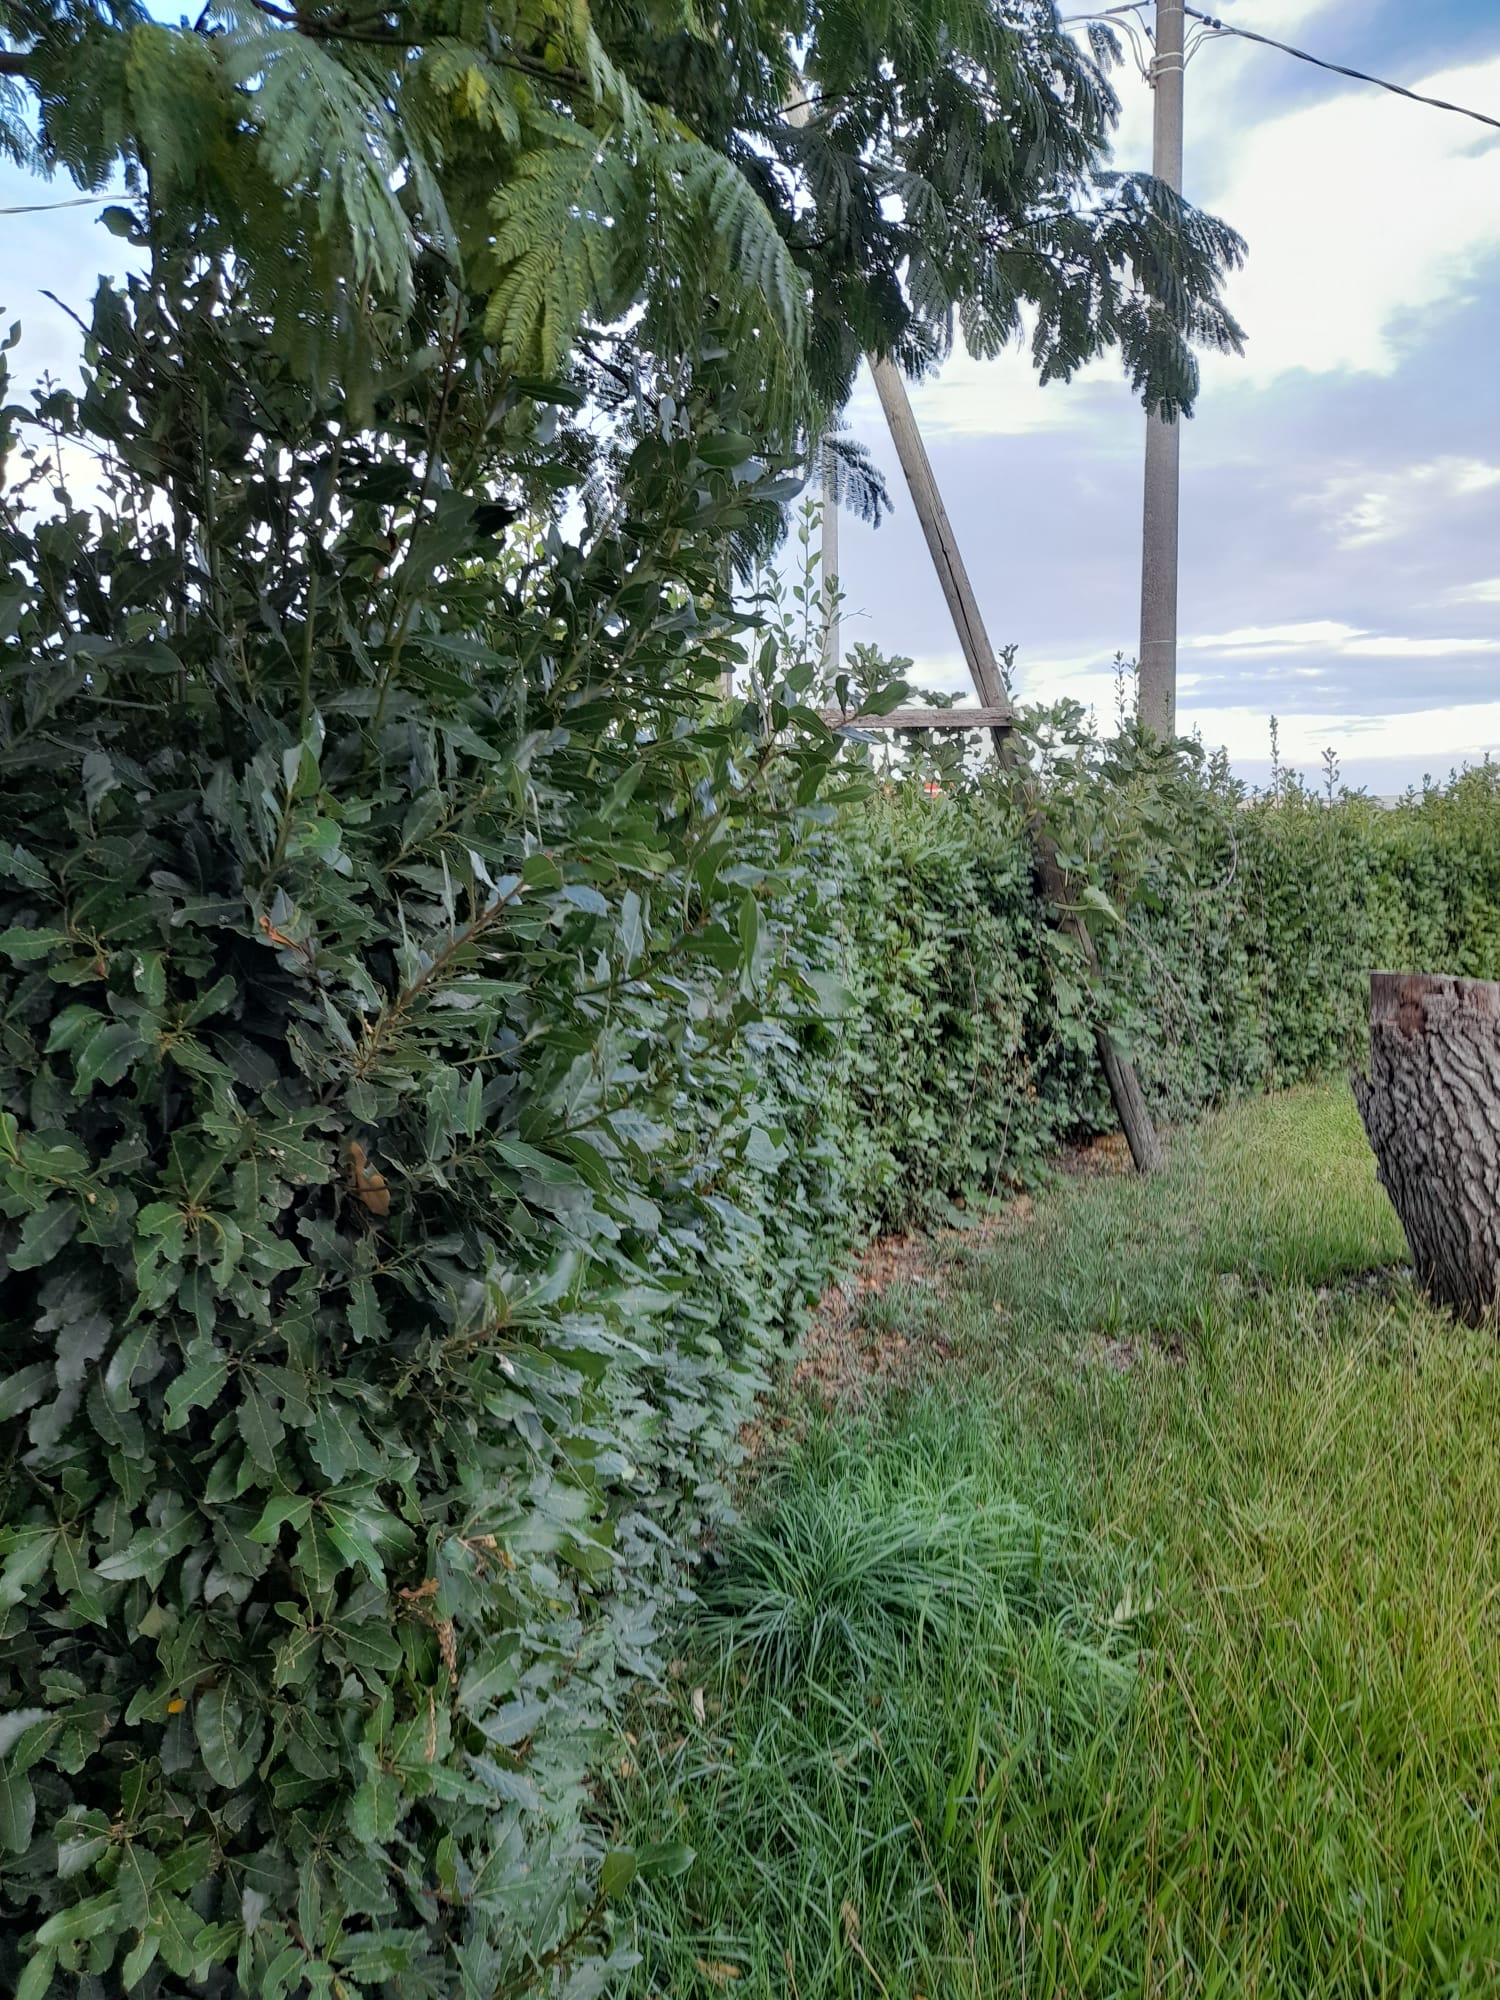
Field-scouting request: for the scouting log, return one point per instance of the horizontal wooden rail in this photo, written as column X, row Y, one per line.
column 924, row 718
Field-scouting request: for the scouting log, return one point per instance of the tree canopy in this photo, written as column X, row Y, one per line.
column 813, row 178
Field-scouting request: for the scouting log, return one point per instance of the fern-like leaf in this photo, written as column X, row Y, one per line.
column 568, row 240
column 743, row 244
column 477, row 90
column 326, row 130
column 179, row 100
column 17, row 140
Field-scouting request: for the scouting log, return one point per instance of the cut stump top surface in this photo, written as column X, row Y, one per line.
column 1414, row 1002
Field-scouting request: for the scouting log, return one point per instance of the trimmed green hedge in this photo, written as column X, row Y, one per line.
column 443, row 1052
column 286, row 1691
column 1236, row 933
column 408, row 1158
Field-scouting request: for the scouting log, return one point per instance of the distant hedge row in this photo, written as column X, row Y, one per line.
column 1235, row 930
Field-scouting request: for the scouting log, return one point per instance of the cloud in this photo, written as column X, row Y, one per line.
column 1282, row 608
column 1431, row 738
column 999, row 398
column 1263, row 640
column 58, row 252
column 1384, row 750
column 1365, row 215
column 1374, row 645
column 1373, row 506
column 1335, row 641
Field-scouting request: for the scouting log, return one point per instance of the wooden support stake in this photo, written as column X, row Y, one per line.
column 963, row 606
column 1124, row 1086
column 984, row 669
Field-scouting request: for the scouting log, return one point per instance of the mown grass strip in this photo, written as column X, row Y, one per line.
column 1156, row 1652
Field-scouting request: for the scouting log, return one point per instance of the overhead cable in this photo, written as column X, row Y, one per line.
column 1214, row 26
column 1340, row 69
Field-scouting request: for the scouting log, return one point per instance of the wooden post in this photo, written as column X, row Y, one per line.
column 963, row 606
column 984, row 668
column 921, row 718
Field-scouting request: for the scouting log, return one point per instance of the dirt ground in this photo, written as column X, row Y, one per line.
column 854, row 1351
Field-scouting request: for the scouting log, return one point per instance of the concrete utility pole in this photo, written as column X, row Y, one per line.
column 828, row 566
column 1158, row 660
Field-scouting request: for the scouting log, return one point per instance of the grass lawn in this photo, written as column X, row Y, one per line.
column 1151, row 1648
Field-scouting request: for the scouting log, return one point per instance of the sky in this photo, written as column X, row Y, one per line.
column 1341, row 480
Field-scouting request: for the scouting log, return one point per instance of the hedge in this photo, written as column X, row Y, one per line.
column 444, row 1050
column 1236, row 932
column 283, row 1710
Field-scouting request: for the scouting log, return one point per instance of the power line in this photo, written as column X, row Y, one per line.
column 44, row 207
column 1340, row 69
column 1215, row 26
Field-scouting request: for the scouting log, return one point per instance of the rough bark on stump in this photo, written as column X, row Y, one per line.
column 1431, row 1107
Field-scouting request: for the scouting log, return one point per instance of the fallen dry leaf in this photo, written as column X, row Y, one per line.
column 719, row 1974
column 698, row 1708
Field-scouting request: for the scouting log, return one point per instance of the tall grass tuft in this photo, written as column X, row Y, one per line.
column 864, row 1564
column 895, row 1641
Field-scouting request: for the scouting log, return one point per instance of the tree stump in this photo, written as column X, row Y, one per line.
column 1431, row 1107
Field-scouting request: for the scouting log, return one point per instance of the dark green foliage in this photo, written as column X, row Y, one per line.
column 961, row 1071
column 583, row 167
column 1236, row 933
column 405, row 1157
column 443, row 1050
column 331, row 154
column 1352, row 887
column 443, row 1046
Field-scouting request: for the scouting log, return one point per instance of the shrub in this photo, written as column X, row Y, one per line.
column 1237, row 930
column 406, row 1160
column 445, row 1047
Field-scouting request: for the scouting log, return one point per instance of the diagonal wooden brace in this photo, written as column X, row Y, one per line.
column 1124, row 1087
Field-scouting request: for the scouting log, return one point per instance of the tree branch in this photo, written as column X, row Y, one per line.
column 13, row 62
column 336, row 31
